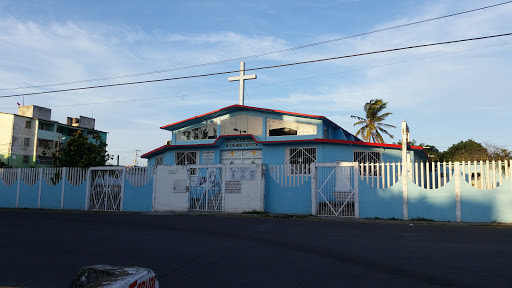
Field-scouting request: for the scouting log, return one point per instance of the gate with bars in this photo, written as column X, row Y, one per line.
column 105, row 188
column 207, row 185
column 335, row 189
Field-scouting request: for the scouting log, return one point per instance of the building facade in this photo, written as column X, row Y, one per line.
column 242, row 135
column 28, row 139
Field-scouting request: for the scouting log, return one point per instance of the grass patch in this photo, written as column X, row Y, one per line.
column 422, row 219
column 255, row 212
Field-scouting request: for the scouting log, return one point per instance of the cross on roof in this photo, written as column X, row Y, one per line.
column 242, row 79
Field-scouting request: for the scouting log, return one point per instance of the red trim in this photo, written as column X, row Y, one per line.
column 334, row 141
column 248, row 107
column 154, row 150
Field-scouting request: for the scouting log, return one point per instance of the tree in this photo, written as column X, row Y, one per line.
column 80, row 152
column 471, row 150
column 2, row 164
column 372, row 124
column 431, row 150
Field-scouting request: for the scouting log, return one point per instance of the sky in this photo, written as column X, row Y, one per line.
column 446, row 94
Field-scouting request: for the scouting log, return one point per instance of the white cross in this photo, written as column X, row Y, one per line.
column 242, row 79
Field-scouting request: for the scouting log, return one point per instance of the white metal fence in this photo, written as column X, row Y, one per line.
column 50, row 176
column 433, row 175
column 139, row 176
column 335, row 189
column 206, row 187
column 286, row 174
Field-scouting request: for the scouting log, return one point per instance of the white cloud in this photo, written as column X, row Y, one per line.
column 428, row 91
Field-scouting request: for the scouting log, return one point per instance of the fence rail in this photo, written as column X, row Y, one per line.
column 433, row 175
column 290, row 175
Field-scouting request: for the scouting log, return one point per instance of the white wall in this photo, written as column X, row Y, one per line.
column 6, row 122
column 20, row 133
column 244, row 188
column 170, row 190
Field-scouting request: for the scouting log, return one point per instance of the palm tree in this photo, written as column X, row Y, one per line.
column 372, row 123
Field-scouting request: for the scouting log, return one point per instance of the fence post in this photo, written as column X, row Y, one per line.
column 63, row 181
column 222, row 187
column 123, row 177
column 405, row 167
column 18, row 189
column 40, row 183
column 88, row 188
column 154, row 171
column 456, row 174
column 313, row 189
column 356, row 189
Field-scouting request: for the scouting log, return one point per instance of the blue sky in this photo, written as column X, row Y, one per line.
column 446, row 93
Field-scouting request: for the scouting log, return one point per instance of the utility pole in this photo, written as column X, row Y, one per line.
column 135, row 162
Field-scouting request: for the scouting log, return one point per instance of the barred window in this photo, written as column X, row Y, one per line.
column 186, row 158
column 370, row 157
column 299, row 160
column 159, row 160
column 44, row 159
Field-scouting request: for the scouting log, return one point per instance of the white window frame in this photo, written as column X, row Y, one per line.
column 299, row 154
column 365, row 156
column 193, row 171
column 159, row 160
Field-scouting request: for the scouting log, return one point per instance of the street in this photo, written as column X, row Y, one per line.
column 47, row 248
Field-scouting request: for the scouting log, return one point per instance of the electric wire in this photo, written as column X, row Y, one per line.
column 263, row 54
column 259, row 68
column 280, row 82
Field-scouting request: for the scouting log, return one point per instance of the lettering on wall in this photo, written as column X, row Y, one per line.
column 233, row 186
column 240, row 143
column 242, row 173
column 208, row 157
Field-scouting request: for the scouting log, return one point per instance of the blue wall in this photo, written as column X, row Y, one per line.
column 74, row 196
column 29, row 195
column 486, row 205
column 435, row 204
column 51, row 195
column 8, row 195
column 138, row 198
column 281, row 199
column 382, row 203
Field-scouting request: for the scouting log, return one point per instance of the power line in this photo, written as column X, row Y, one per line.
column 260, row 68
column 287, row 81
column 265, row 53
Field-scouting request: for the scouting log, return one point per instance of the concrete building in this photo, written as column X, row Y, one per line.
column 241, row 134
column 27, row 139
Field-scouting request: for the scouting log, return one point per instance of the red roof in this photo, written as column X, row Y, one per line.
column 318, row 140
column 228, row 109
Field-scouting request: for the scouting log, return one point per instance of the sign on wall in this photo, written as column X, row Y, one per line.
column 208, row 158
column 233, row 186
column 242, row 173
column 240, row 143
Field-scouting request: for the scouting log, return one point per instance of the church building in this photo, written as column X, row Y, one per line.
column 240, row 134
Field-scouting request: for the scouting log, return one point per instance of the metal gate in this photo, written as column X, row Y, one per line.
column 335, row 189
column 206, row 187
column 105, row 188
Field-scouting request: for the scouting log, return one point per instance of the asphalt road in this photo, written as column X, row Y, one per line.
column 46, row 249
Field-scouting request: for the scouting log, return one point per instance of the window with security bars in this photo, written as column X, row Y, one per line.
column 159, row 160
column 299, row 160
column 370, row 157
column 186, row 158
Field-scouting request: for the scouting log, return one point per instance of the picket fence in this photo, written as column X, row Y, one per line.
column 433, row 175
